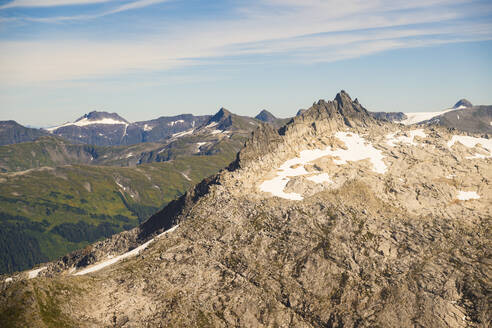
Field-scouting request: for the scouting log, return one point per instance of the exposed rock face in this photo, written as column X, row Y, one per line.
column 110, row 129
column 163, row 127
column 463, row 103
column 300, row 111
column 476, row 119
column 384, row 242
column 265, row 116
column 12, row 132
column 389, row 116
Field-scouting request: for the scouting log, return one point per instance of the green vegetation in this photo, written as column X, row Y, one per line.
column 54, row 151
column 46, row 213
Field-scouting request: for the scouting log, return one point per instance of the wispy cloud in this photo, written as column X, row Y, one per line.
column 292, row 30
column 48, row 3
column 118, row 9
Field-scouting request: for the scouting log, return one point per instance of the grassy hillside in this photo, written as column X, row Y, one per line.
column 47, row 212
column 53, row 151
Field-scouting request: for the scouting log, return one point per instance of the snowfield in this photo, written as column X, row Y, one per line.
column 471, row 142
column 413, row 118
column 85, row 122
column 133, row 252
column 184, row 133
column 357, row 149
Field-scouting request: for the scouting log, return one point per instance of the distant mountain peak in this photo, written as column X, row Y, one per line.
column 98, row 116
column 265, row 116
column 220, row 115
column 463, row 103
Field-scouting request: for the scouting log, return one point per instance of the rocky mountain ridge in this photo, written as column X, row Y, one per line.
column 335, row 220
column 12, row 132
column 110, row 129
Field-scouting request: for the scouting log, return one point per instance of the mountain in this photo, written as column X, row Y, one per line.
column 100, row 128
column 163, row 127
column 110, row 129
column 476, row 119
column 12, row 132
column 267, row 117
column 156, row 172
column 335, row 220
column 462, row 103
column 463, row 116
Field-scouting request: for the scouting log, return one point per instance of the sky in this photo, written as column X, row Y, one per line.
column 143, row 59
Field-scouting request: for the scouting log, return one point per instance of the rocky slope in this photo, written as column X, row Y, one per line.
column 12, row 132
column 463, row 116
column 389, row 116
column 335, row 220
column 110, row 129
column 473, row 119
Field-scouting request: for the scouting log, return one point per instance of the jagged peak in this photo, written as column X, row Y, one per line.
column 342, row 107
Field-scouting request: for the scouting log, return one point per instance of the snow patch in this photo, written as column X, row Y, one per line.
column 34, row 273
column 467, row 195
column 320, row 178
column 357, row 149
column 391, row 140
column 184, row 133
column 9, row 279
column 175, row 122
column 131, row 253
column 85, row 122
column 471, row 142
column 211, row 125
column 216, row 131
column 129, row 155
column 147, row 127
column 418, row 117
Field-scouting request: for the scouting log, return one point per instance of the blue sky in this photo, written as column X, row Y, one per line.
column 146, row 58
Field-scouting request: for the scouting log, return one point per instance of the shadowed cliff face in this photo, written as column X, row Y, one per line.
column 390, row 227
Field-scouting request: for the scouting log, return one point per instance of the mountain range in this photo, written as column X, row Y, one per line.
column 463, row 116
column 336, row 219
column 58, row 195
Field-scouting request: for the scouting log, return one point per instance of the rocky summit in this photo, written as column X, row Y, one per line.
column 463, row 103
column 334, row 220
